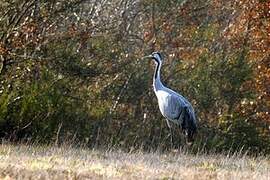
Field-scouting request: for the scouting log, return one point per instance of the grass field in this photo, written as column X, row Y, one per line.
column 39, row 162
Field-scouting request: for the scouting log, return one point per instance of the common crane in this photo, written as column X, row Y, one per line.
column 173, row 106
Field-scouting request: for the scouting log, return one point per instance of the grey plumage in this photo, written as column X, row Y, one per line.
column 173, row 106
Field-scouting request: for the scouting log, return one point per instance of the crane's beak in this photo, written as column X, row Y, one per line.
column 148, row 57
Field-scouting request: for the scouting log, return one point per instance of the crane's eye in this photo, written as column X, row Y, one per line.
column 157, row 53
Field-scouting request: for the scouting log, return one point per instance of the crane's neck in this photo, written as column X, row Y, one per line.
column 156, row 79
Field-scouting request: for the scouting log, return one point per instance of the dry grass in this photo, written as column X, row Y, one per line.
column 37, row 162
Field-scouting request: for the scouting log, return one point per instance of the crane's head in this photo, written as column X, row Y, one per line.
column 156, row 56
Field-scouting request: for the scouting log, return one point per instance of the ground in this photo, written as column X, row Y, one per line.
column 49, row 162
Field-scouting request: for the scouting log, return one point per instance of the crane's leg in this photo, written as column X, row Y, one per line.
column 171, row 132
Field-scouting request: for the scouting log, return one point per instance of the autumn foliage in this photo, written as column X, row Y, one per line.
column 72, row 70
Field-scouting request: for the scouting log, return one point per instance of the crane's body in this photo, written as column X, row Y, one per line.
column 173, row 106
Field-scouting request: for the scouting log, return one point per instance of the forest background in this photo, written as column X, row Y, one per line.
column 72, row 71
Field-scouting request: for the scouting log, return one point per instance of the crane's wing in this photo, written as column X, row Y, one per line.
column 174, row 107
column 178, row 108
column 181, row 112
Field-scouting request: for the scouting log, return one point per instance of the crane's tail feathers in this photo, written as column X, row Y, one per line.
column 189, row 125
